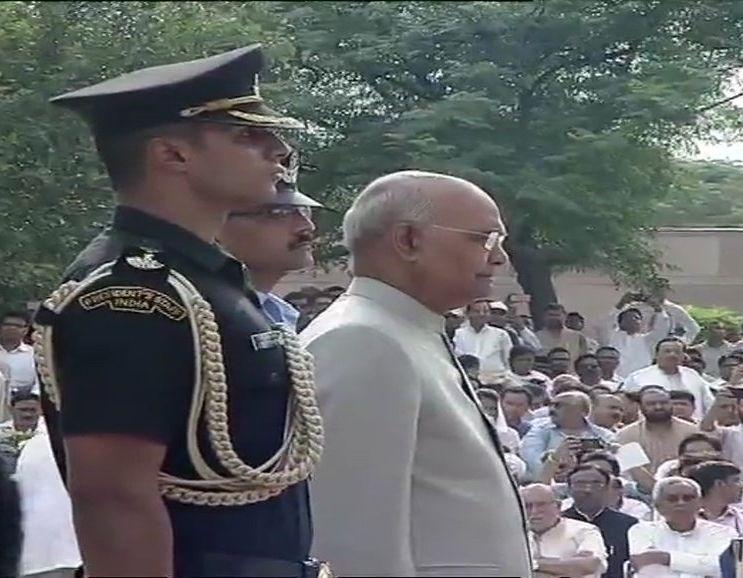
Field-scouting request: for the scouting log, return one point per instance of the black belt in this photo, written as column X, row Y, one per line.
column 221, row 565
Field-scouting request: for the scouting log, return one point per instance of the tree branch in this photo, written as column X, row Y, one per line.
column 718, row 103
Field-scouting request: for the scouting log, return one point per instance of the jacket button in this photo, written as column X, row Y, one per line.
column 274, row 377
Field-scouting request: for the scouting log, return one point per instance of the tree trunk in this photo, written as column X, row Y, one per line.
column 534, row 274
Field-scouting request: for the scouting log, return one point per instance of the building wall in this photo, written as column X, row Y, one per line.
column 706, row 269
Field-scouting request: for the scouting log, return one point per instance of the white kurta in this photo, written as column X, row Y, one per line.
column 685, row 380
column 636, row 351
column 49, row 539
column 491, row 345
column 694, row 554
column 410, row 483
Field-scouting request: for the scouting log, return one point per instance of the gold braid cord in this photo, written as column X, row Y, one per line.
column 303, row 436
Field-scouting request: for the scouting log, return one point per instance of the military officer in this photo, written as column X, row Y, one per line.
column 189, row 424
column 273, row 239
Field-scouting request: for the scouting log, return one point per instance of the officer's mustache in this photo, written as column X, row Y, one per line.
column 303, row 238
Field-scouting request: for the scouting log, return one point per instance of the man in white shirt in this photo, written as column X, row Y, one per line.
column 680, row 545
column 50, row 547
column 622, row 328
column 413, row 480
column 561, row 546
column 16, row 355
column 715, row 347
column 730, row 436
column 273, row 239
column 491, row 345
column 669, row 374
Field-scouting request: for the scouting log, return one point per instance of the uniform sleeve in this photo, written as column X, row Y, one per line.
column 533, row 447
column 361, row 494
column 124, row 356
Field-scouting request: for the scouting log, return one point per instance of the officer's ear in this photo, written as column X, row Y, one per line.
column 172, row 150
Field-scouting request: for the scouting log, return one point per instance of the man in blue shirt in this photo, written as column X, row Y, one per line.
column 273, row 239
column 567, row 426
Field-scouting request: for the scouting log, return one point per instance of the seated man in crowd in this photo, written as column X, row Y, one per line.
column 731, row 435
column 25, row 412
column 589, row 488
column 622, row 329
column 630, row 407
column 521, row 362
column 608, row 358
column 658, row 433
column 589, row 372
column 559, row 362
column 577, row 322
column 669, row 374
column 554, row 334
column 721, row 493
column 490, row 401
column 621, row 502
column 682, row 405
column 681, row 545
column 568, row 425
column 607, row 411
column 516, row 402
column 694, row 360
column 714, row 347
column 471, row 366
column 693, row 449
column 491, row 345
column 499, row 318
column 726, row 365
column 561, row 546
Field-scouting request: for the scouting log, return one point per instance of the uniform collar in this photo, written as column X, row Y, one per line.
column 398, row 303
column 135, row 222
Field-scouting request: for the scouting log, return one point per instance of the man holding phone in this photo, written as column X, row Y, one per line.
column 568, row 428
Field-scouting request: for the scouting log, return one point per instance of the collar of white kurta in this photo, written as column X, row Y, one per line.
column 22, row 348
column 398, row 303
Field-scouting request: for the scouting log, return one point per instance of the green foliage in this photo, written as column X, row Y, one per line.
column 710, row 194
column 705, row 316
column 565, row 110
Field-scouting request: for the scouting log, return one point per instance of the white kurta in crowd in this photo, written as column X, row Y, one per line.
column 694, row 554
column 680, row 318
column 568, row 538
column 685, row 380
column 20, row 362
column 491, row 345
column 49, row 541
column 411, row 483
column 636, row 350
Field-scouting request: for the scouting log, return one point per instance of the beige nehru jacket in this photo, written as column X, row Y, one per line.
column 410, row 483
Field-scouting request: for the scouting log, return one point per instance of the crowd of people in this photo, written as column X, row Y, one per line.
column 195, row 423
column 627, row 441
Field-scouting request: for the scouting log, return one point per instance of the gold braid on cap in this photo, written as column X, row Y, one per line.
column 303, row 436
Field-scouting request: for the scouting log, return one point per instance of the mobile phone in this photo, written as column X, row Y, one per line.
column 591, row 444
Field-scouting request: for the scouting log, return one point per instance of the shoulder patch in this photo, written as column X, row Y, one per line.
column 134, row 300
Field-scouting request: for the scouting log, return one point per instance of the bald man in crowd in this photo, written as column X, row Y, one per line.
column 413, row 480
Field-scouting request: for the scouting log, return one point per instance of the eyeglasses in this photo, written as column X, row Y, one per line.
column 587, row 484
column 680, row 498
column 277, row 212
column 491, row 239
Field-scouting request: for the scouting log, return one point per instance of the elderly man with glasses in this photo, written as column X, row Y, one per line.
column 680, row 545
column 413, row 480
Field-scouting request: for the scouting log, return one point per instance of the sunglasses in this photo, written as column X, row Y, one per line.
column 680, row 498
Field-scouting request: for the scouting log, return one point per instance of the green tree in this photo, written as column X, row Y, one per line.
column 709, row 194
column 566, row 111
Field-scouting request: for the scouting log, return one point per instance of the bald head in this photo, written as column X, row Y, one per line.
column 542, row 507
column 407, row 197
column 434, row 237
